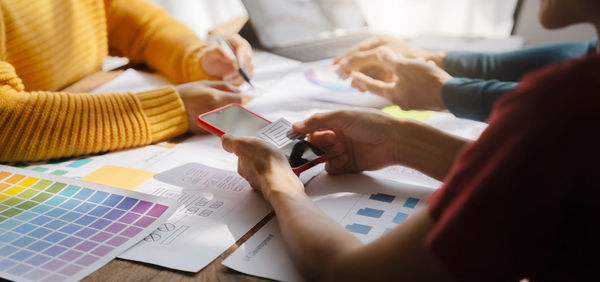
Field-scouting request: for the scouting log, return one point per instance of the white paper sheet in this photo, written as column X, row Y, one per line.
column 217, row 208
column 317, row 81
column 367, row 206
column 269, row 68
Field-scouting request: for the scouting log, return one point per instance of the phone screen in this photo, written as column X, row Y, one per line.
column 237, row 121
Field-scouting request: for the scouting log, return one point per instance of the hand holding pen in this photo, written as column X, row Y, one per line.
column 230, row 60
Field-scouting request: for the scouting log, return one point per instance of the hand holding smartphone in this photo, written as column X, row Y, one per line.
column 238, row 121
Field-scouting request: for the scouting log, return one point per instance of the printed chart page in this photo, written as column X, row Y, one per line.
column 55, row 228
column 366, row 206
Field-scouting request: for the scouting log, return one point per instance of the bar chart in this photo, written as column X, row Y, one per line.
column 378, row 213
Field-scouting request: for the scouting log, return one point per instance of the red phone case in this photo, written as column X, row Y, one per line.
column 218, row 132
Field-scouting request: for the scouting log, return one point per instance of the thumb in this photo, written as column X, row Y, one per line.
column 228, row 143
column 366, row 82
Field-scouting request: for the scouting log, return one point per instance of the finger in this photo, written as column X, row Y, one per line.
column 357, row 86
column 389, row 59
column 344, row 65
column 370, row 84
column 227, row 98
column 229, row 143
column 243, row 52
column 323, row 139
column 321, row 121
column 224, row 55
column 332, row 148
column 223, row 86
column 234, row 78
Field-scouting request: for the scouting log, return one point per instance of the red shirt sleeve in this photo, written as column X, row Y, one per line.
column 522, row 201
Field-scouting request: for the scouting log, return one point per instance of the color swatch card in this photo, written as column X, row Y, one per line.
column 58, row 229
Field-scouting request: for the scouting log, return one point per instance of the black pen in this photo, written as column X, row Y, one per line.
column 230, row 49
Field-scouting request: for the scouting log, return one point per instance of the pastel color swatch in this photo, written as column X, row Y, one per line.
column 117, row 176
column 58, row 229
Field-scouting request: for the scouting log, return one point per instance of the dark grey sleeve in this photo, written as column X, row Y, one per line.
column 473, row 98
column 511, row 66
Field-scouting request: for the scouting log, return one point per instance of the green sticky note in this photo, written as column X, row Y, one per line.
column 2, row 218
column 396, row 112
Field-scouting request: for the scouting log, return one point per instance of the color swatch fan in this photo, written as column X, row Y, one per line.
column 58, row 229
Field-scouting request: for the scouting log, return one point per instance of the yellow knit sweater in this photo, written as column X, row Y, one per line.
column 45, row 45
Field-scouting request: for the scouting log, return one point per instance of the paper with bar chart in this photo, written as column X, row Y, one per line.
column 58, row 229
column 366, row 206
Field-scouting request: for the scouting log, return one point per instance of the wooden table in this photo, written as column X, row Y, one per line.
column 124, row 270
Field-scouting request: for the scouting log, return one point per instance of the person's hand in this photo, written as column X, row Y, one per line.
column 361, row 56
column 368, row 63
column 417, row 86
column 265, row 168
column 218, row 63
column 354, row 140
column 202, row 96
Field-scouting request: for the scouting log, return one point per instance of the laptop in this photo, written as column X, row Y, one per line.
column 307, row 30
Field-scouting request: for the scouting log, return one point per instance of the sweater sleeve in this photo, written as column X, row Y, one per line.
column 44, row 125
column 146, row 33
column 474, row 98
column 511, row 66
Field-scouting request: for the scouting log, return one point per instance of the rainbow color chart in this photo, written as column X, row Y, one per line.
column 59, row 229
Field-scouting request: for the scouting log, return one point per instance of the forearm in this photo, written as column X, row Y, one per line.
column 426, row 149
column 46, row 125
column 511, row 66
column 313, row 239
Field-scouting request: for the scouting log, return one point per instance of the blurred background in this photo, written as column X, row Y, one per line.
column 408, row 18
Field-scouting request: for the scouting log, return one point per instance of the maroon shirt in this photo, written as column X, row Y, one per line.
column 523, row 201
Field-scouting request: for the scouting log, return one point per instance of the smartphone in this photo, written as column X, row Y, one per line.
column 236, row 120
